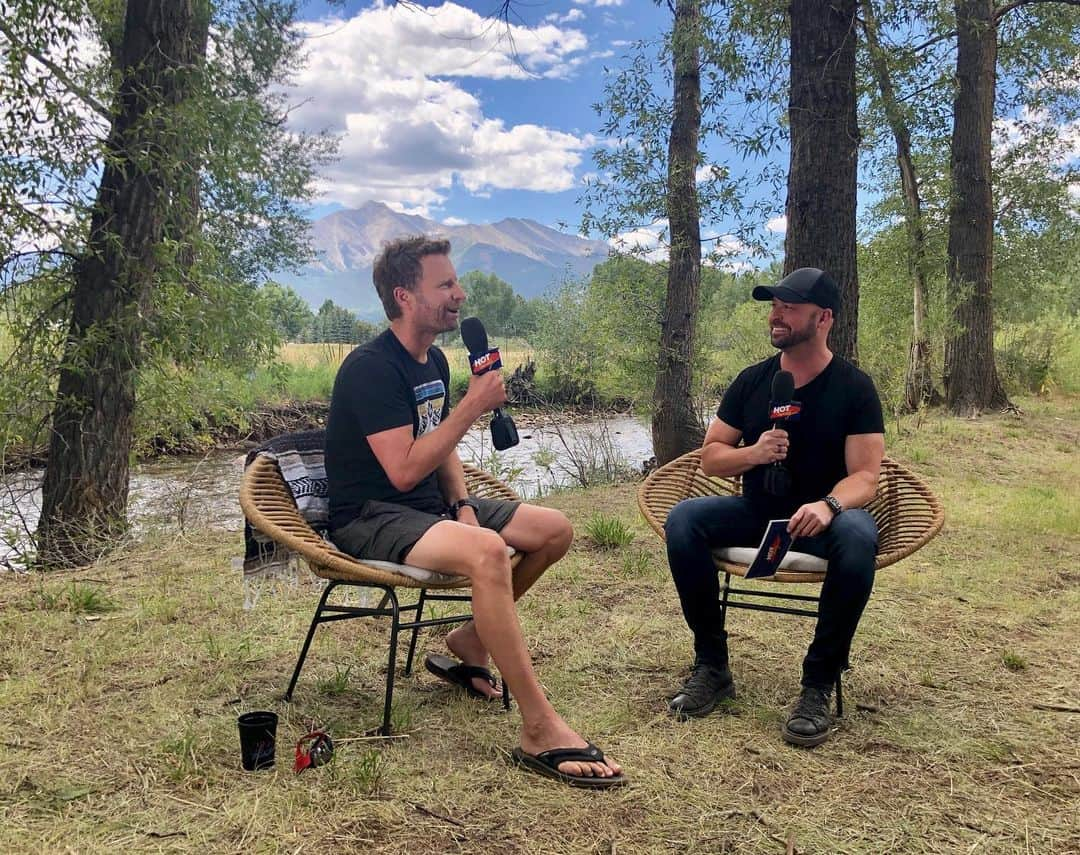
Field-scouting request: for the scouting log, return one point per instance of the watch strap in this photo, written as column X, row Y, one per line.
column 464, row 503
column 834, row 505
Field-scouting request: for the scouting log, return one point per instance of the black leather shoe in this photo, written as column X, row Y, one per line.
column 707, row 686
column 809, row 722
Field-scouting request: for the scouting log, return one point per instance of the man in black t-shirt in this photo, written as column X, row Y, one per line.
column 833, row 451
column 397, row 493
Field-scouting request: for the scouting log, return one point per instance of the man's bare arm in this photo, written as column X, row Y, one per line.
column 408, row 461
column 451, row 477
column 721, row 454
column 862, row 457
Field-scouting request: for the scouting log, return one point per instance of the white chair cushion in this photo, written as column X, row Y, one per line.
column 420, row 574
column 797, row 561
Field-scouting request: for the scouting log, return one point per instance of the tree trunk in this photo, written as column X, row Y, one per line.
column 676, row 426
column 971, row 378
column 824, row 155
column 918, row 383
column 84, row 495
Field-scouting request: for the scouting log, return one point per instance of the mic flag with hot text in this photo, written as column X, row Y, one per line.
column 781, row 410
column 483, row 359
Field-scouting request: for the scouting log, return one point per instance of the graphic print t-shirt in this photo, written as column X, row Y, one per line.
column 378, row 387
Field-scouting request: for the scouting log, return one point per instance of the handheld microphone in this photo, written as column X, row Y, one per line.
column 504, row 433
column 781, row 409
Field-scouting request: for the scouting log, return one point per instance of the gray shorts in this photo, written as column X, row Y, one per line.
column 385, row 531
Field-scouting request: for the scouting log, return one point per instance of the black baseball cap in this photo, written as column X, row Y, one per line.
column 805, row 285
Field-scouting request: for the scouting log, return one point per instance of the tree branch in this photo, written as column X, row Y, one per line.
column 59, row 74
column 1016, row 4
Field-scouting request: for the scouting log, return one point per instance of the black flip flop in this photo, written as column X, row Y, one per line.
column 546, row 763
column 461, row 675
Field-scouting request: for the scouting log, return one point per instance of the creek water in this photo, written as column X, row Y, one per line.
column 193, row 493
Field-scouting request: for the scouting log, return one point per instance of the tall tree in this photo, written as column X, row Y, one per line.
column 918, row 384
column 84, row 495
column 971, row 378
column 821, row 199
column 676, row 427
column 654, row 180
column 153, row 184
column 491, row 299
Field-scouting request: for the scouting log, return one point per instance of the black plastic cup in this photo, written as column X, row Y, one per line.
column 257, row 733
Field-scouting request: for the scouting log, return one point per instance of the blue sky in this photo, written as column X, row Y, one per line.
column 437, row 118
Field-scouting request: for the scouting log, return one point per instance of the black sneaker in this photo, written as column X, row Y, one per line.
column 809, row 722
column 707, row 686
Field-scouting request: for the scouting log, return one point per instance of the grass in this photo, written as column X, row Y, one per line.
column 513, row 352
column 118, row 727
column 608, row 533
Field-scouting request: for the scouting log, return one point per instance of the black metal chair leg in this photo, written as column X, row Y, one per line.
column 839, row 695
column 724, row 602
column 415, row 631
column 391, row 665
column 307, row 641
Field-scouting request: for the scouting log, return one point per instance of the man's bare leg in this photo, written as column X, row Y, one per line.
column 480, row 554
column 544, row 536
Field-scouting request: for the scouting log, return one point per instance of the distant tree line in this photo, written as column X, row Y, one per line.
column 491, row 299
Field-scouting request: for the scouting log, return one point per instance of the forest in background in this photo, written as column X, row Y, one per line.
column 151, row 187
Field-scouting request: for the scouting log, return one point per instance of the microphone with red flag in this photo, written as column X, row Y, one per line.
column 483, row 359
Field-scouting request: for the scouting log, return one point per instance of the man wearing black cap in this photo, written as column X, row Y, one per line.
column 833, row 452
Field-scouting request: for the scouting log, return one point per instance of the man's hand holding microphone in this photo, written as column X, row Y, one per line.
column 486, row 378
column 772, row 448
column 487, row 390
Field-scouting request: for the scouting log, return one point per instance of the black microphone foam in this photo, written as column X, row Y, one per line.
column 783, row 384
column 475, row 337
column 777, row 477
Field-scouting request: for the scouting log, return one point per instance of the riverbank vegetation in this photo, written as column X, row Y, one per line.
column 122, row 682
column 592, row 347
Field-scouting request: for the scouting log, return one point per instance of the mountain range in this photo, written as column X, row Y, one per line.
column 529, row 256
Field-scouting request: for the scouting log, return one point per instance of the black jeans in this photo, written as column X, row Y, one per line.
column 695, row 527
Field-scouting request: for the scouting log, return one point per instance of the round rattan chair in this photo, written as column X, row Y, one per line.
column 270, row 509
column 907, row 512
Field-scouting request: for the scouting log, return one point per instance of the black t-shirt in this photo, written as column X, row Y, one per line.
column 841, row 401
column 380, row 386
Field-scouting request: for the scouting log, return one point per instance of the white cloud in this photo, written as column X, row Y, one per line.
column 386, row 80
column 569, row 18
column 777, row 225
column 454, row 221
column 648, row 242
column 1009, row 133
column 709, row 172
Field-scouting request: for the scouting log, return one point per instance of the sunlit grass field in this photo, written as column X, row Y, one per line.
column 122, row 682
column 513, row 351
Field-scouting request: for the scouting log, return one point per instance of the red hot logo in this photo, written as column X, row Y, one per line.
column 779, row 412
column 487, row 362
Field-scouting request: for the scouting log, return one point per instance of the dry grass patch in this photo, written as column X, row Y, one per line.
column 118, row 722
column 514, row 352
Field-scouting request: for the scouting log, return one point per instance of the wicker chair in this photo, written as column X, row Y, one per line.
column 270, row 508
column 907, row 513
